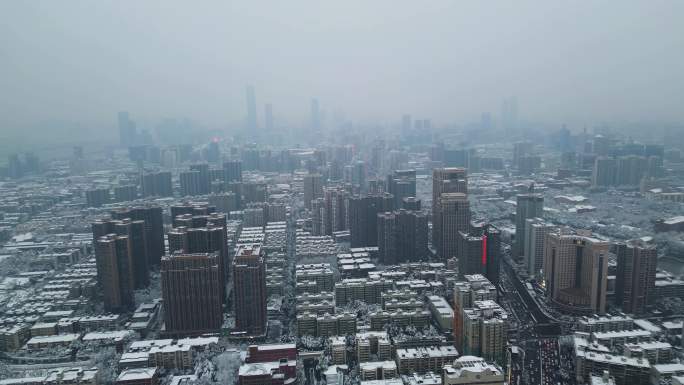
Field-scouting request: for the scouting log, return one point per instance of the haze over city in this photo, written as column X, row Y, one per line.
column 341, row 193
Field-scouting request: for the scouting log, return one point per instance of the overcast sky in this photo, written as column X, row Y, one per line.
column 577, row 61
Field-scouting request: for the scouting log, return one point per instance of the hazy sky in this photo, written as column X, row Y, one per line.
column 578, row 61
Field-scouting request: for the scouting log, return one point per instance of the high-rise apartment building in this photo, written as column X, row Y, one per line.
column 249, row 291
column 363, row 217
column 635, row 278
column 204, row 177
column 190, row 183
column 156, row 184
column 528, row 206
column 454, row 216
column 115, row 272
column 232, row 171
column 334, row 214
column 402, row 236
column 313, row 188
column 475, row 287
column 605, row 172
column 533, row 250
column 576, row 272
column 401, row 184
column 154, row 228
column 191, row 292
column 485, row 331
column 479, row 252
column 445, row 180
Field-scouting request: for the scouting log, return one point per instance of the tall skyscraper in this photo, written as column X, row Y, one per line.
column 154, row 228
column 251, row 110
column 479, row 252
column 454, row 217
column 232, row 171
column 576, row 272
column 402, row 236
column 113, row 258
column 535, row 237
column 313, row 188
column 204, row 177
column 249, row 292
column 401, row 184
column 635, row 278
column 134, row 231
column 190, row 183
column 191, row 293
column 528, row 206
column 363, row 217
column 156, row 184
column 445, row 180
column 127, row 130
column 268, row 119
column 315, row 115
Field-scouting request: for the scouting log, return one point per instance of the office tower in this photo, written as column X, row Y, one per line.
column 445, row 180
column 315, row 115
column 268, row 121
column 156, row 184
column 127, row 131
column 474, row 288
column 190, row 183
column 251, row 110
column 528, row 206
column 191, row 293
column 115, row 272
column 249, row 292
column 485, row 331
column 97, row 197
column 363, row 217
column 203, row 170
column 154, row 228
column 232, row 171
column 454, row 217
column 411, row 204
column 313, row 188
column 125, row 193
column 576, row 272
column 401, row 184
column 635, row 278
column 533, row 250
column 334, row 215
column 479, row 252
column 402, row 236
column 604, row 173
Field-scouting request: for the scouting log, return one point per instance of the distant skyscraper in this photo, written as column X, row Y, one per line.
column 249, row 293
column 127, row 130
column 313, row 188
column 232, row 171
column 605, row 172
column 401, row 184
column 115, row 272
column 190, row 183
column 402, row 236
column 363, row 217
column 204, row 178
column 251, row 110
column 191, row 293
column 445, row 180
column 406, row 123
column 156, row 184
column 97, row 197
column 576, row 272
column 533, row 249
column 268, row 120
column 635, row 278
column 528, row 206
column 454, row 217
column 315, row 115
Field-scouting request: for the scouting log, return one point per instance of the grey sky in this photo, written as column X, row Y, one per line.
column 579, row 61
